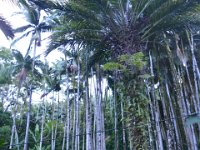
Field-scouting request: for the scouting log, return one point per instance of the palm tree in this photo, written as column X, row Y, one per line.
column 114, row 28
column 35, row 25
column 23, row 69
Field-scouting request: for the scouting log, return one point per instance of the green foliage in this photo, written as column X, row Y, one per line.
column 5, row 74
column 136, row 59
column 5, row 54
column 5, row 127
column 113, row 66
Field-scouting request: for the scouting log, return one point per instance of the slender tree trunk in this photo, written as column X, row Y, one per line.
column 100, row 115
column 77, row 137
column 28, row 119
column 52, row 127
column 155, row 112
column 195, row 71
column 56, row 128
column 95, row 109
column 68, row 116
column 89, row 144
column 64, row 135
column 30, row 100
column 17, row 139
column 13, row 127
column 168, row 130
column 115, row 114
column 181, row 137
column 173, row 115
column 74, row 125
column 98, row 119
column 42, row 125
column 123, row 124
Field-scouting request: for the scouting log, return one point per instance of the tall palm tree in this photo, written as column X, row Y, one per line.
column 114, row 27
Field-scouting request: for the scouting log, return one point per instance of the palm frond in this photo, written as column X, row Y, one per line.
column 6, row 27
column 32, row 14
column 21, row 37
column 22, row 29
column 170, row 14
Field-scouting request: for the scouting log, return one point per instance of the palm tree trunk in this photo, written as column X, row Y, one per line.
column 56, row 128
column 169, row 138
column 28, row 119
column 67, row 122
column 30, row 100
column 69, row 126
column 13, row 127
column 123, row 125
column 98, row 113
column 95, row 108
column 52, row 126
column 195, row 72
column 64, row 135
column 74, row 124
column 89, row 144
column 115, row 114
column 178, row 124
column 77, row 136
column 173, row 115
column 42, row 125
column 155, row 109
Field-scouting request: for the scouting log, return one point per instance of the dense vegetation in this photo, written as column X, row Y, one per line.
column 129, row 78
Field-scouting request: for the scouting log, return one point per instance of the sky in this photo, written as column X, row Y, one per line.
column 8, row 11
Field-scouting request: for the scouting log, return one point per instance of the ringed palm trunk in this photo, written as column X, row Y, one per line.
column 155, row 110
column 14, row 129
column 68, row 117
column 115, row 113
column 77, row 136
column 56, row 127
column 195, row 71
column 190, row 135
column 98, row 118
column 100, row 141
column 168, row 130
column 95, row 108
column 30, row 100
column 42, row 125
column 28, row 119
column 89, row 144
column 181, row 137
column 123, row 124
column 66, row 110
column 74, row 122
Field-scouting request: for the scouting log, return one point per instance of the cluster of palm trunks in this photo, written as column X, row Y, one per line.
column 129, row 77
